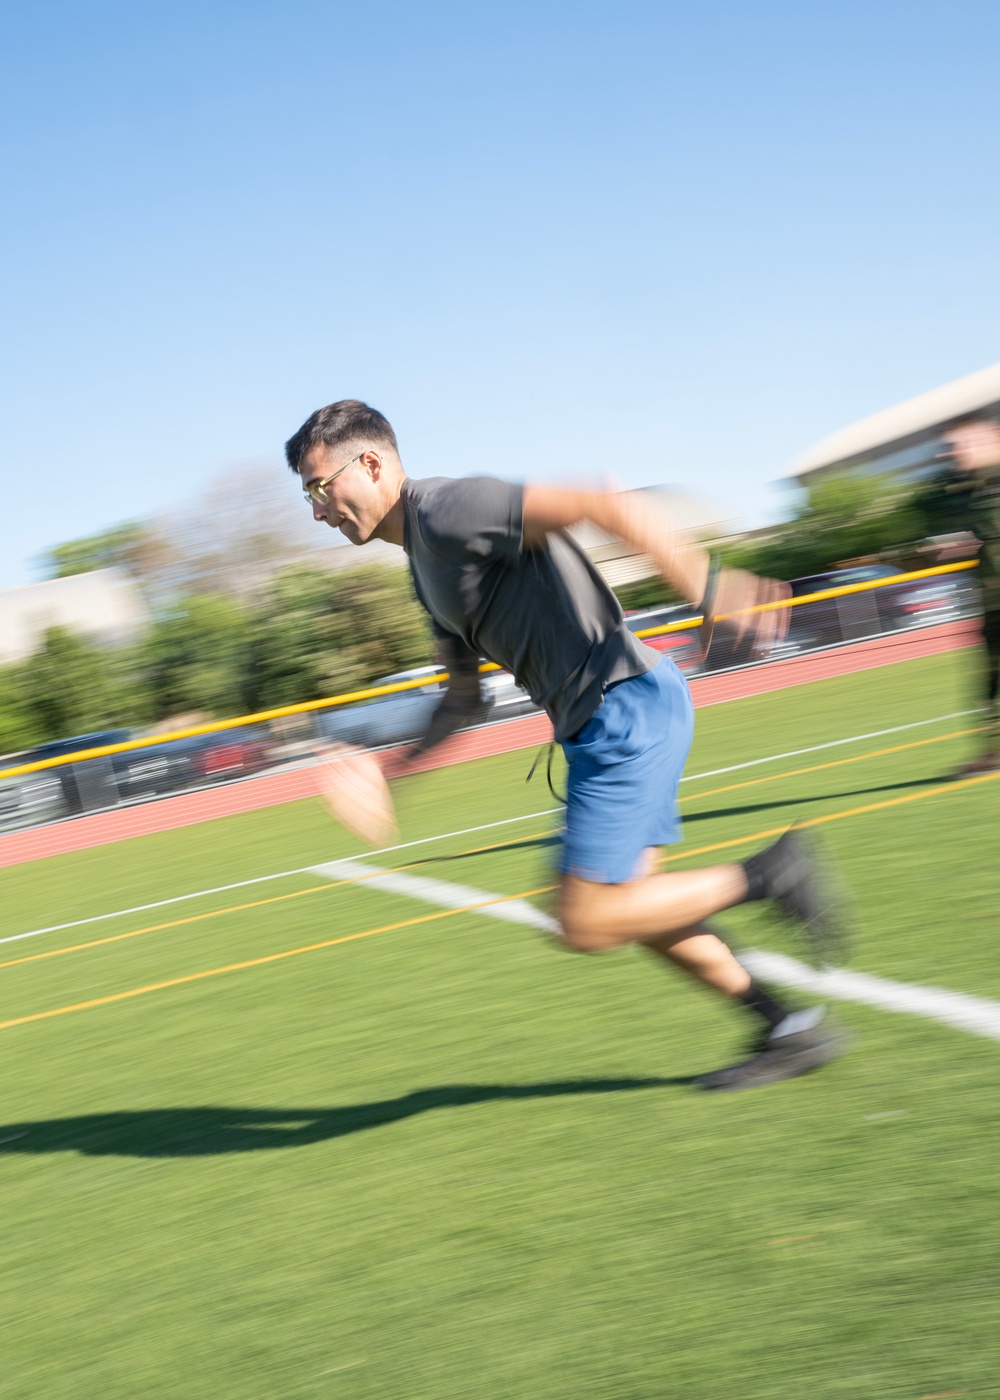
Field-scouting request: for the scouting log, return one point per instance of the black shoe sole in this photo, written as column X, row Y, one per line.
column 771, row 1067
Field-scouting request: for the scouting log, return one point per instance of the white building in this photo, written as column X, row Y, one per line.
column 105, row 606
column 905, row 439
column 619, row 564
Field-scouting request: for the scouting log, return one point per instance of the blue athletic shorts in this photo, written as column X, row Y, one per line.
column 624, row 768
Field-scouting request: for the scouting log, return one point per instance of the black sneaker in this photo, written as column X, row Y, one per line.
column 805, row 889
column 804, row 1041
column 988, row 762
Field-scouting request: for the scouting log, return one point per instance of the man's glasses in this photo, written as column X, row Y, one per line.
column 316, row 494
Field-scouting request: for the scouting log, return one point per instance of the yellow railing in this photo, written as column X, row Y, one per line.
column 839, row 592
column 373, row 692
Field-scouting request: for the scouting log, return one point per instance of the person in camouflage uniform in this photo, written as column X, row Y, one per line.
column 972, row 503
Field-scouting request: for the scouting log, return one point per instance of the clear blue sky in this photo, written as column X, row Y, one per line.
column 676, row 241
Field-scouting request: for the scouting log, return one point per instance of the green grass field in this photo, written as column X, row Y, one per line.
column 450, row 1160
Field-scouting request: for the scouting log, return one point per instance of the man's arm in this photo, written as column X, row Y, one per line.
column 684, row 564
column 636, row 521
column 461, row 703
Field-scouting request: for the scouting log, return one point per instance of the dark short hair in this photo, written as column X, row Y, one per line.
column 348, row 420
column 967, row 420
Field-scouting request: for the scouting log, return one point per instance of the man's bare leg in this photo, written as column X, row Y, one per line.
column 693, row 948
column 790, row 1043
column 704, row 956
column 596, row 917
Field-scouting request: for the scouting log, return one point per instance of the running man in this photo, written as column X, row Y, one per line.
column 970, row 501
column 493, row 565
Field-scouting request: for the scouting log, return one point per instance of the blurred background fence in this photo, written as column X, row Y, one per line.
column 102, row 769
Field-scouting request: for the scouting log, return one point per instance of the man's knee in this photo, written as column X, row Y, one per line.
column 577, row 940
column 582, row 923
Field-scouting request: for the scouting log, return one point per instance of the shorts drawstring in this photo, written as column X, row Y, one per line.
column 559, row 797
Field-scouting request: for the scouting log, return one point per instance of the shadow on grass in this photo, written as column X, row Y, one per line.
column 543, row 842
column 204, row 1132
column 802, row 801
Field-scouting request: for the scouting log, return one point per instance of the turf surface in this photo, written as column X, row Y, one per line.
column 449, row 1160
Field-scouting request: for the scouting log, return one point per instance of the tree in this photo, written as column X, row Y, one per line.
column 135, row 547
column 245, row 527
column 296, row 641
column 653, row 592
column 380, row 621
column 195, row 657
column 71, row 686
column 316, row 633
column 19, row 726
column 845, row 515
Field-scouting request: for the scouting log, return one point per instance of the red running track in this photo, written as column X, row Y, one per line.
column 186, row 809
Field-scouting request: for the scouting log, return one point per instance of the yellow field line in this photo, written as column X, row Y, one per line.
column 171, row 923
column 258, row 962
column 254, row 904
column 943, row 787
column 832, row 763
column 471, row 908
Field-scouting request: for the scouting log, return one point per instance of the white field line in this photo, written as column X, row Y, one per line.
column 262, row 879
column 976, row 1015
column 472, row 830
column 437, row 892
column 832, row 744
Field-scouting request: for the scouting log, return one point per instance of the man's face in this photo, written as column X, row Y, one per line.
column 355, row 505
column 974, row 446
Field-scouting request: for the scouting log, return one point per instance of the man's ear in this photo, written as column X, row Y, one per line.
column 372, row 463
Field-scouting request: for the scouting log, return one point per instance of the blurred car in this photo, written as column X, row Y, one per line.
column 149, row 771
column 68, row 776
column 504, row 697
column 403, row 717
column 155, row 769
column 161, row 767
column 683, row 647
column 388, row 719
column 942, row 599
column 919, row 603
column 59, row 748
column 29, row 800
column 228, row 754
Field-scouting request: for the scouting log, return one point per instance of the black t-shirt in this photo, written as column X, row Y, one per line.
column 545, row 614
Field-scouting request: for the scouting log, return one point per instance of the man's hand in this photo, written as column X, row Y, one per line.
column 356, row 792
column 744, row 601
